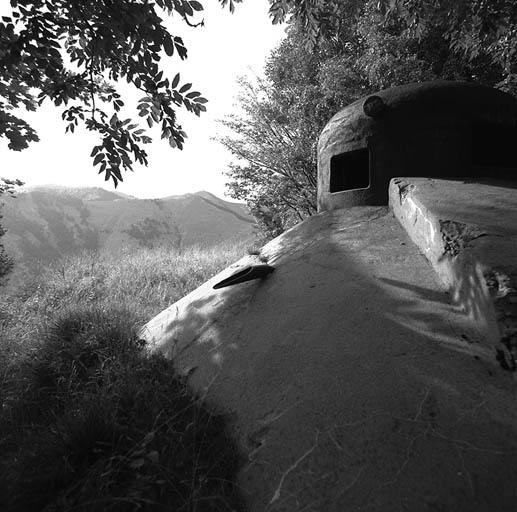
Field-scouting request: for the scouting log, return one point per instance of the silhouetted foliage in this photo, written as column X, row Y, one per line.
column 92, row 423
column 472, row 30
column 335, row 52
column 6, row 262
column 74, row 53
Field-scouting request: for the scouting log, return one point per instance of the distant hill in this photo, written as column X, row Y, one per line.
column 84, row 193
column 45, row 223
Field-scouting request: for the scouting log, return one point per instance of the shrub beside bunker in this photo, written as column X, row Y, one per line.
column 90, row 422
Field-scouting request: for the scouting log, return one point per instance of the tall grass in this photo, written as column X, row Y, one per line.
column 87, row 421
column 144, row 282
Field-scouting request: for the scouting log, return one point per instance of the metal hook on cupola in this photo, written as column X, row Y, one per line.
column 247, row 274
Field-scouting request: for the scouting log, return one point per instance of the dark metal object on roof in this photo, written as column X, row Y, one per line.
column 247, row 274
column 373, row 106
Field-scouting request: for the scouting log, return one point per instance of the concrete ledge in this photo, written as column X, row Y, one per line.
column 468, row 232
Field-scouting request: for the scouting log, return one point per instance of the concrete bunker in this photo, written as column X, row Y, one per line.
column 450, row 130
column 346, row 377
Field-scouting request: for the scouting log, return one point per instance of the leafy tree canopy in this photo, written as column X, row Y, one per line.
column 473, row 28
column 74, row 53
column 336, row 52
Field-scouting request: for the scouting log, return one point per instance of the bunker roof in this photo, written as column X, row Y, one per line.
column 405, row 106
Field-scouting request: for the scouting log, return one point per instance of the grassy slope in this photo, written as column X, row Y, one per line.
column 87, row 422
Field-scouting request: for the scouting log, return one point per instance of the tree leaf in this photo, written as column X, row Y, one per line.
column 155, row 113
column 196, row 5
column 168, row 46
column 98, row 159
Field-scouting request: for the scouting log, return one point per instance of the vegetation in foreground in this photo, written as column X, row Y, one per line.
column 89, row 422
column 362, row 46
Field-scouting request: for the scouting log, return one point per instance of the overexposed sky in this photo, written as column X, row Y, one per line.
column 228, row 46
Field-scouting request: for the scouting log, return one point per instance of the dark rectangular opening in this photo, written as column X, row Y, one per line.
column 349, row 171
column 494, row 150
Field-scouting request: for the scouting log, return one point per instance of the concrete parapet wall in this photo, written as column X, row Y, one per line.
column 347, row 379
column 468, row 232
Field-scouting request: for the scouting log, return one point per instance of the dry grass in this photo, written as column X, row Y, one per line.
column 87, row 421
column 144, row 282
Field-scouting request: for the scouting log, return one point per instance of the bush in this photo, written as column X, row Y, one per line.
column 144, row 282
column 91, row 423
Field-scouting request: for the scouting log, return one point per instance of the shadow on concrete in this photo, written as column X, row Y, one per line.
column 504, row 183
column 349, row 381
column 427, row 294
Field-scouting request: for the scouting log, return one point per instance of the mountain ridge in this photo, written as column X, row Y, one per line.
column 85, row 193
column 45, row 223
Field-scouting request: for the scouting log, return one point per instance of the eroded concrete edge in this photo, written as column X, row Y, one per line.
column 485, row 293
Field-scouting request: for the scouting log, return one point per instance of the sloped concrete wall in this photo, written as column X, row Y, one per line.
column 349, row 381
column 468, row 232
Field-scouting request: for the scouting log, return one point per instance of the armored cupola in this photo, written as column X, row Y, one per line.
column 432, row 129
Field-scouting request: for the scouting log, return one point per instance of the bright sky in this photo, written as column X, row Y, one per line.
column 227, row 47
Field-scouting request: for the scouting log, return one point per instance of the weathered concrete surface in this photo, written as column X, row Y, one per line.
column 468, row 231
column 426, row 129
column 348, row 380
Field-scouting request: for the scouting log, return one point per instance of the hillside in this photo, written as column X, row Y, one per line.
column 48, row 222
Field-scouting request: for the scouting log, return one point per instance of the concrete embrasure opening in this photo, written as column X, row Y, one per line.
column 494, row 146
column 349, row 171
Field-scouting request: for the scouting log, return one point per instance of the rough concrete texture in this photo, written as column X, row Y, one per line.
column 348, row 380
column 468, row 231
column 426, row 129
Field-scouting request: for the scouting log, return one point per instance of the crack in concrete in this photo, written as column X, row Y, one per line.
column 404, row 189
column 474, row 409
column 257, row 439
column 273, row 416
column 465, row 470
column 405, row 462
column 334, row 440
column 422, row 403
column 278, row 491
column 456, row 236
column 459, row 444
column 207, row 388
column 469, row 445
column 350, row 485
column 192, row 341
